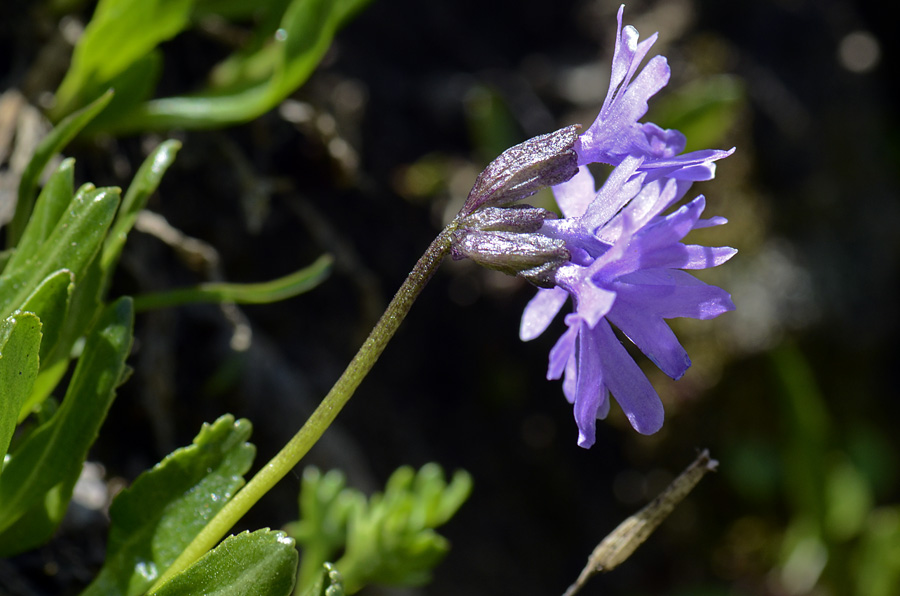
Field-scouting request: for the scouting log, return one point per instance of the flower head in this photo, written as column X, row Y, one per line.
column 617, row 252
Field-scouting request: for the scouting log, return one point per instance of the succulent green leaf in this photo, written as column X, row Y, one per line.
column 325, row 509
column 49, row 207
column 260, row 293
column 328, row 582
column 58, row 138
column 392, row 542
column 37, row 480
column 162, row 511
column 143, row 185
column 389, row 540
column 50, row 302
column 119, row 34
column 275, row 70
column 72, row 245
column 261, row 563
column 20, row 343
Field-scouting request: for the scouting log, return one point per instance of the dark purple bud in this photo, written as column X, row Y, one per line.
column 518, row 218
column 509, row 252
column 521, row 171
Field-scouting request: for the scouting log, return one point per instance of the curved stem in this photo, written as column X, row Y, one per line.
column 324, row 414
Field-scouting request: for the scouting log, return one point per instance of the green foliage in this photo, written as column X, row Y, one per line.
column 53, row 143
column 20, row 342
column 65, row 245
column 328, row 582
column 261, row 563
column 288, row 43
column 259, row 293
column 704, row 111
column 162, row 511
column 388, row 540
column 37, row 481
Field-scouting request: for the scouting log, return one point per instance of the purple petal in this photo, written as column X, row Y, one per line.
column 589, row 390
column 574, row 195
column 627, row 383
column 652, row 336
column 686, row 256
column 563, row 349
column 671, row 293
column 540, row 311
column 620, row 187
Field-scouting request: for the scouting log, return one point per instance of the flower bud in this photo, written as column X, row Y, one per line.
column 510, row 252
column 521, row 171
column 517, row 218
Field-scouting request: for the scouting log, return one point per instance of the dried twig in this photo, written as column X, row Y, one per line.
column 631, row 533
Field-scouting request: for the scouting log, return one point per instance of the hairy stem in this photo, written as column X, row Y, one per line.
column 324, row 414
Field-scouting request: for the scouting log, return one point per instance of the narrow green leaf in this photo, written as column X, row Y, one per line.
column 305, row 34
column 72, row 245
column 120, row 33
column 261, row 563
column 50, row 302
column 58, row 138
column 154, row 519
column 20, row 342
column 49, row 207
column 46, row 382
column 40, row 474
column 143, row 185
column 261, row 293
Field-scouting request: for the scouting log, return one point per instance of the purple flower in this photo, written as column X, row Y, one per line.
column 616, row 132
column 617, row 251
column 626, row 266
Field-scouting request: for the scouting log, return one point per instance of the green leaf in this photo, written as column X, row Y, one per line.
column 120, row 33
column 305, row 34
column 326, row 506
column 49, row 207
column 328, row 582
column 878, row 557
column 261, row 563
column 36, row 483
column 260, row 293
column 158, row 516
column 20, row 342
column 50, row 302
column 143, row 185
column 72, row 245
column 389, row 540
column 58, row 138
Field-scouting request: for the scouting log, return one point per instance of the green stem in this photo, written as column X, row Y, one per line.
column 324, row 415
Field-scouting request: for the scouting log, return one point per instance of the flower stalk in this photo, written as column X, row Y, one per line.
column 291, row 454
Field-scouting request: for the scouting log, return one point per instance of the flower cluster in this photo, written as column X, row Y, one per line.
column 615, row 251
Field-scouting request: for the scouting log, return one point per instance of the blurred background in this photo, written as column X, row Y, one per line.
column 794, row 393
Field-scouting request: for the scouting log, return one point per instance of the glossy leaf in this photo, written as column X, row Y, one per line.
column 58, row 138
column 143, row 185
column 388, row 540
column 72, row 245
column 50, row 302
column 328, row 582
column 49, row 207
column 304, row 35
column 20, row 342
column 261, row 563
column 36, row 483
column 162, row 511
column 120, row 33
column 260, row 293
